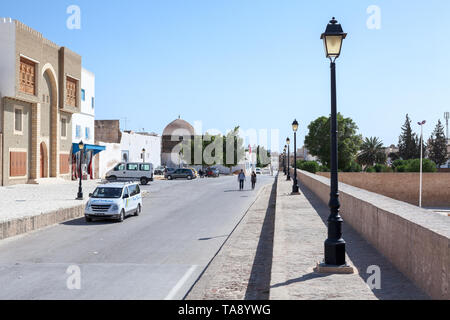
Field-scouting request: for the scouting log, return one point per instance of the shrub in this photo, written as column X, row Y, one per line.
column 370, row 169
column 401, row 168
column 414, row 165
column 324, row 169
column 310, row 166
column 398, row 163
column 353, row 167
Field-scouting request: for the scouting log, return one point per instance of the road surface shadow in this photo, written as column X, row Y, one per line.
column 211, row 238
column 394, row 285
column 82, row 222
column 259, row 282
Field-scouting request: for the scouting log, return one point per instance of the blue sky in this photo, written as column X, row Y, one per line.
column 255, row 63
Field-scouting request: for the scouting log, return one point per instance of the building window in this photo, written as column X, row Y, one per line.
column 87, row 132
column 63, row 128
column 27, row 76
column 83, row 95
column 78, row 131
column 93, row 102
column 71, row 92
column 18, row 120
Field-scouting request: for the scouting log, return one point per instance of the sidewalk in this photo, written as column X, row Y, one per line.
column 30, row 207
column 300, row 232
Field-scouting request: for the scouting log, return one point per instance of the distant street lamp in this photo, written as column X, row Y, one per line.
column 421, row 124
column 284, row 160
column 295, row 185
column 446, row 117
column 80, row 188
column 335, row 244
column 288, row 142
column 143, row 155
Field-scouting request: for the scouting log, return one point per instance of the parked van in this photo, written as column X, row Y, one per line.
column 114, row 201
column 142, row 172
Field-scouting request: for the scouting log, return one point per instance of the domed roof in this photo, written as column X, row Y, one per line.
column 179, row 127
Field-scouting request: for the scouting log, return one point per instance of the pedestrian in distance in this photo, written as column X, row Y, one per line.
column 253, row 180
column 241, row 179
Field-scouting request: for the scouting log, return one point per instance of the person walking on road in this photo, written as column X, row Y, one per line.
column 241, row 179
column 253, row 180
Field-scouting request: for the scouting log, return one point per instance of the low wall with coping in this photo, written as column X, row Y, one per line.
column 27, row 224
column 415, row 240
column 402, row 186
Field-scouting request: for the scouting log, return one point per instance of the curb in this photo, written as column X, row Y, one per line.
column 24, row 225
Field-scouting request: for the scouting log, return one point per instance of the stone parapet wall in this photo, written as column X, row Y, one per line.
column 415, row 240
column 402, row 186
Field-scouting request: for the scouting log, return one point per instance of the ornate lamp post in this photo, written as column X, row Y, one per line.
column 335, row 244
column 295, row 185
column 288, row 142
column 80, row 188
column 284, row 160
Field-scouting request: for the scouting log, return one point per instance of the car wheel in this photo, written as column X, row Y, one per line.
column 122, row 216
column 138, row 210
column 112, row 178
column 169, row 178
column 189, row 177
column 88, row 219
column 144, row 181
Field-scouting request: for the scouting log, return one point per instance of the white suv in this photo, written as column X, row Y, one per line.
column 114, row 201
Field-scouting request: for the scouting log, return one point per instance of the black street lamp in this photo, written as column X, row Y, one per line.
column 335, row 244
column 143, row 155
column 288, row 142
column 80, row 188
column 284, row 160
column 295, row 185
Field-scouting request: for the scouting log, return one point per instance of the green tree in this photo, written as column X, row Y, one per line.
column 408, row 142
column 233, row 147
column 318, row 140
column 262, row 157
column 438, row 145
column 372, row 152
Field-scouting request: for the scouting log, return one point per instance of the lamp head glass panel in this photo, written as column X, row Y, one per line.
column 333, row 38
column 81, row 145
column 288, row 141
column 295, row 125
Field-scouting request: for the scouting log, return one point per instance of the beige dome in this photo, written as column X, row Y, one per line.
column 179, row 127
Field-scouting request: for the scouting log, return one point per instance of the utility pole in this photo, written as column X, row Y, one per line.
column 447, row 116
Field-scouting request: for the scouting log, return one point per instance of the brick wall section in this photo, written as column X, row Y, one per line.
column 416, row 241
column 107, row 131
column 402, row 186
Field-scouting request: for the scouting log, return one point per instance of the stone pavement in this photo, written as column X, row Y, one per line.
column 300, row 232
column 26, row 200
column 241, row 269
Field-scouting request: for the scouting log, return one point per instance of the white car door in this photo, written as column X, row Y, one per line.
column 132, row 171
column 126, row 201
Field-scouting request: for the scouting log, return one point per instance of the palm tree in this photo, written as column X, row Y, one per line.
column 372, row 152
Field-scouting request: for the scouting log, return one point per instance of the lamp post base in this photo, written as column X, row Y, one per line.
column 333, row 269
column 295, row 191
column 79, row 196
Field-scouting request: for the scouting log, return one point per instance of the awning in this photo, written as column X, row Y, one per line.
column 87, row 147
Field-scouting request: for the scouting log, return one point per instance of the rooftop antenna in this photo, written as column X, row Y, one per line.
column 447, row 116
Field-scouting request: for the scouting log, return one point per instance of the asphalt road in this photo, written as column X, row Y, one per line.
column 157, row 255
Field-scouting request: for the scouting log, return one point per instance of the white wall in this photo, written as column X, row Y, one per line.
column 7, row 58
column 135, row 142
column 87, row 116
column 108, row 158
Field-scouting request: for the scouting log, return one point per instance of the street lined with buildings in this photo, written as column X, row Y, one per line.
column 177, row 233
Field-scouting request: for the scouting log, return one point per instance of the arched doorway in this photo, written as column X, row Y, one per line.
column 49, row 114
column 44, row 160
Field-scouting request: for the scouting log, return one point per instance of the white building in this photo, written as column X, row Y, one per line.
column 132, row 145
column 84, row 122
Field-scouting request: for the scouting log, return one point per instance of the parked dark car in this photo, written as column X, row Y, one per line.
column 168, row 171
column 181, row 174
column 212, row 172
